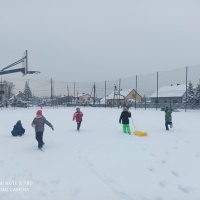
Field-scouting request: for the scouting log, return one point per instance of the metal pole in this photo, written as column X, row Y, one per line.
column 26, row 62
column 51, row 91
column 115, row 89
column 157, row 93
column 105, row 94
column 76, row 98
column 135, row 91
column 94, row 95
column 186, row 90
column 74, row 94
column 119, row 101
column 67, row 94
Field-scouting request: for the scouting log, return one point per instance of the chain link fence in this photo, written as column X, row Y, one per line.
column 144, row 85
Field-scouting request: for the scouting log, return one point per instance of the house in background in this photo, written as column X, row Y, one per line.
column 17, row 100
column 169, row 94
column 122, row 98
column 84, row 99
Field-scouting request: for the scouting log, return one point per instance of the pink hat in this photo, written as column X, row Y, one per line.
column 39, row 112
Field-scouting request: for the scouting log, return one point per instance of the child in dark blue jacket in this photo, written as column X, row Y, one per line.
column 124, row 119
column 18, row 129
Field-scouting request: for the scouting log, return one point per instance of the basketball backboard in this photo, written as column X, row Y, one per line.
column 24, row 69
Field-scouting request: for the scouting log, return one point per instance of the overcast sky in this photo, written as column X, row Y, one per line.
column 97, row 40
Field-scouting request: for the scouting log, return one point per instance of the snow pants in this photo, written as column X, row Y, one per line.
column 78, row 125
column 39, row 138
column 168, row 123
column 126, row 128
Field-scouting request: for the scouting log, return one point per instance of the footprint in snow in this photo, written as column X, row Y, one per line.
column 110, row 181
column 151, row 169
column 164, row 161
column 175, row 173
column 184, row 189
column 163, row 183
column 197, row 156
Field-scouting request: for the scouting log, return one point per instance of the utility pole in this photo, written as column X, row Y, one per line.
column 74, row 93
column 186, row 89
column 135, row 91
column 67, row 94
column 51, row 91
column 105, row 94
column 157, row 93
column 94, row 98
column 115, row 89
column 119, row 101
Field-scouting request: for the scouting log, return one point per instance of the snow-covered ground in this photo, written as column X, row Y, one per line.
column 99, row 162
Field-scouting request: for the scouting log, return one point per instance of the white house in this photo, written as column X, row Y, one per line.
column 169, row 94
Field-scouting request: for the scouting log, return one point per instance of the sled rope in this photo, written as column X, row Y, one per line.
column 136, row 132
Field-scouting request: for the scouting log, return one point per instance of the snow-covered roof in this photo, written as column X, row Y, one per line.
column 123, row 93
column 170, row 91
column 83, row 95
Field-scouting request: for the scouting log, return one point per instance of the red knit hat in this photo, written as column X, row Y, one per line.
column 39, row 112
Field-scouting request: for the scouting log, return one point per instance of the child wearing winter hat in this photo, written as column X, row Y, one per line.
column 38, row 123
column 124, row 119
column 78, row 116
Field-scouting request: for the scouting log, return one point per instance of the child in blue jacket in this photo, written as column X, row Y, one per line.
column 124, row 119
column 18, row 129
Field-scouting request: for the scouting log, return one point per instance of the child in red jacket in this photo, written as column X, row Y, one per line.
column 78, row 116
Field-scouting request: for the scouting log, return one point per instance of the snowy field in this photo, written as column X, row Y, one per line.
column 99, row 162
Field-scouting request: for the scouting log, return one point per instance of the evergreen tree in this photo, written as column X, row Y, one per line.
column 197, row 94
column 27, row 96
column 190, row 93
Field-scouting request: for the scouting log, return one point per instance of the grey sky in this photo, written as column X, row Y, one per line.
column 97, row 40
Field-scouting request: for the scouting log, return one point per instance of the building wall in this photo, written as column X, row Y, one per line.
column 115, row 102
column 85, row 99
column 132, row 95
column 167, row 100
column 123, row 101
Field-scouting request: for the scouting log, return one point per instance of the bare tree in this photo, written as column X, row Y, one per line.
column 8, row 89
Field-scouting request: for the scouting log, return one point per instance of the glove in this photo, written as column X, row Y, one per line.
column 52, row 128
column 120, row 122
